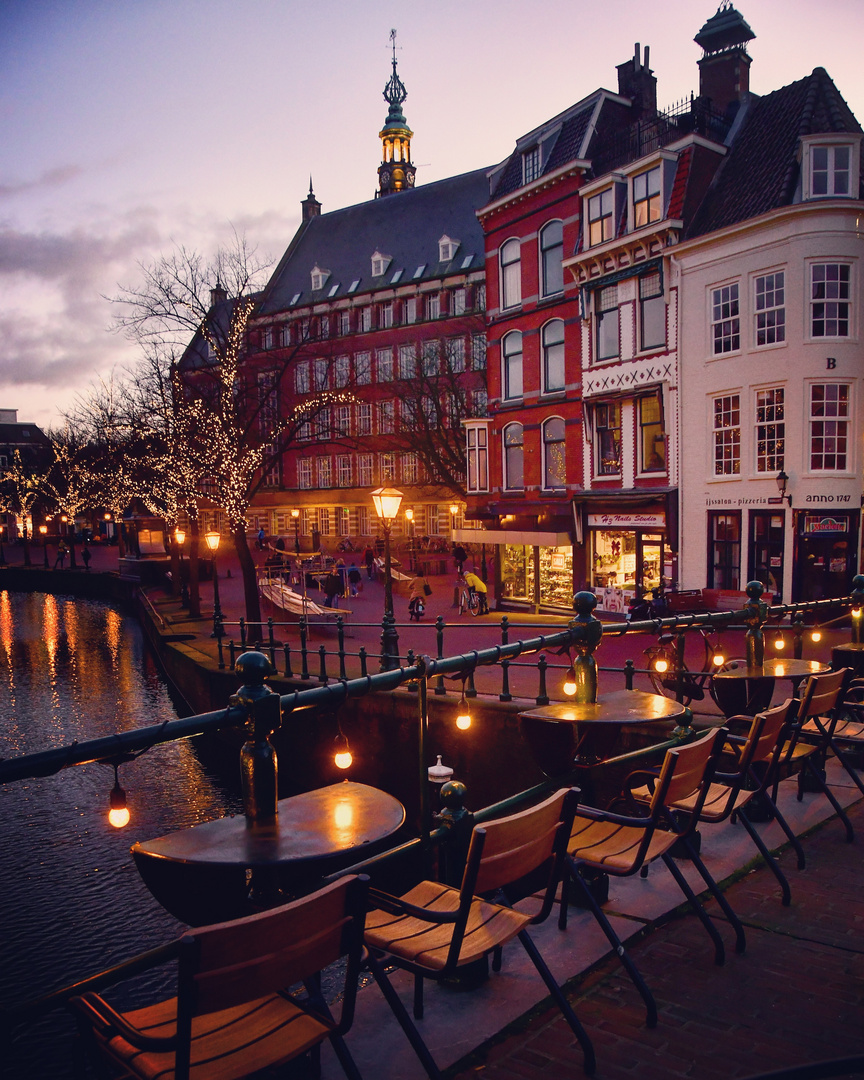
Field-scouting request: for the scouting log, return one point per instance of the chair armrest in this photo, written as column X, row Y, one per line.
column 109, row 1022
column 395, row 905
column 593, row 814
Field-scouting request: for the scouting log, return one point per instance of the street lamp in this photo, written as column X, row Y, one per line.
column 180, row 537
column 295, row 516
column 387, row 502
column 212, row 539
column 2, row 552
column 409, row 518
column 43, row 530
column 782, row 484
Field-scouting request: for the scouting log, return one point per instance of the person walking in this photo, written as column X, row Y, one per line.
column 355, row 581
column 477, row 585
column 459, row 555
column 332, row 588
column 418, row 590
column 86, row 556
column 62, row 551
column 369, row 559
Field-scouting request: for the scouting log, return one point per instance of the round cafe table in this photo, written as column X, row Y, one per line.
column 746, row 691
column 225, row 869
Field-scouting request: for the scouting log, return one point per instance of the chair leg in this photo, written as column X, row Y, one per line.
column 784, row 825
column 702, row 914
column 734, row 921
column 856, row 779
column 616, row 943
column 562, row 1002
column 418, row 997
column 768, row 857
column 349, row 1066
column 829, row 795
column 405, row 1022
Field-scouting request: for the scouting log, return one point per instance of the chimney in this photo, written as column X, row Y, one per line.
column 636, row 81
column 724, row 69
column 310, row 205
column 218, row 295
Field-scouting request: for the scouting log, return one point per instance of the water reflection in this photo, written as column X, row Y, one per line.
column 73, row 902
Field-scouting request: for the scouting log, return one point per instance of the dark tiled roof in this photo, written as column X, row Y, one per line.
column 761, row 170
column 406, row 226
column 22, row 435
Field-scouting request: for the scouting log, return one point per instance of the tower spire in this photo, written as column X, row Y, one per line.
column 396, row 172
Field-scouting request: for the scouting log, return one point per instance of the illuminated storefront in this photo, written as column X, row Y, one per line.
column 537, row 575
column 627, row 552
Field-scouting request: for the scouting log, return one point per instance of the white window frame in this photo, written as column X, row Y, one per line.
column 551, row 348
column 724, row 302
column 477, row 457
column 649, row 198
column 410, row 310
column 835, row 423
column 769, row 309
column 363, row 418
column 341, row 372
column 839, row 183
column 365, row 470
column 304, row 473
column 726, row 435
column 600, row 217
column 363, row 368
column 509, row 436
column 384, row 365
column 343, row 470
column 831, row 299
column 769, row 430
column 547, row 444
column 550, row 241
column 512, row 380
column 301, row 377
column 510, row 257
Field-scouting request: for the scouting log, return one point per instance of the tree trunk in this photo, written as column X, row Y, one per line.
column 72, row 564
column 174, row 551
column 26, row 542
column 250, row 583
column 194, row 591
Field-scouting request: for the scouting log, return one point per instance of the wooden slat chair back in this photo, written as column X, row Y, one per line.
column 812, row 736
column 620, row 845
column 232, row 1015
column 434, row 929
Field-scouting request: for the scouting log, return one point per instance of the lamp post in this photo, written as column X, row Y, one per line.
column 43, row 532
column 107, row 519
column 295, row 517
column 409, row 518
column 387, row 502
column 212, row 539
column 782, row 483
column 2, row 552
column 180, row 537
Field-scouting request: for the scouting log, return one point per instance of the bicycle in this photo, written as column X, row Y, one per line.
column 468, row 599
column 663, row 667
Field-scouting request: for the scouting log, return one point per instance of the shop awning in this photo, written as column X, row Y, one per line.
column 513, row 536
column 632, row 499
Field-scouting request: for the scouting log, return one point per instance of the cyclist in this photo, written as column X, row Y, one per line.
column 478, row 586
column 418, row 590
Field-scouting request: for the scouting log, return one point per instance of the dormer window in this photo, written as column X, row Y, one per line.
column 380, row 263
column 601, row 217
column 447, row 249
column 830, row 166
column 531, row 165
column 647, row 197
column 319, row 278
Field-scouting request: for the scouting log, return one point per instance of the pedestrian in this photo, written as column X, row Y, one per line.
column 478, row 586
column 85, row 555
column 332, row 588
column 261, row 538
column 62, row 549
column 369, row 559
column 418, row 590
column 354, row 579
column 460, row 555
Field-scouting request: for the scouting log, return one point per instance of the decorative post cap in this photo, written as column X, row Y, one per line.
column 754, row 589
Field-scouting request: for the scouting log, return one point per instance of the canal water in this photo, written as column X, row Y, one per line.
column 72, row 900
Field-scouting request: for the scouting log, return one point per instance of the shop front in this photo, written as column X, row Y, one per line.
column 825, row 554
column 533, row 570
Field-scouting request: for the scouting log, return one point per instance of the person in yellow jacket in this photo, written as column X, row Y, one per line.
column 477, row 585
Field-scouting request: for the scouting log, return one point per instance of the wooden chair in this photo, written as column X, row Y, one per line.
column 435, row 929
column 620, row 845
column 811, row 735
column 845, row 727
column 757, row 758
column 233, row 1014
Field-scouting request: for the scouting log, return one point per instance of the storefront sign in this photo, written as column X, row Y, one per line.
column 627, row 521
column 813, row 524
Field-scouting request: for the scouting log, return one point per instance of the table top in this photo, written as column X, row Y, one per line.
column 327, row 821
column 849, row 646
column 617, row 707
column 778, row 668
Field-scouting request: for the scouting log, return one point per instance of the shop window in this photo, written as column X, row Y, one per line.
column 607, row 322
column 608, row 433
column 829, row 300
column 511, row 274
column 770, row 429
column 652, row 312
column 517, row 573
column 652, row 438
column 514, row 475
column 724, row 550
column 770, row 313
column 727, row 435
column 553, row 356
column 511, row 376
column 829, row 427
column 477, row 436
column 551, row 257
column 554, row 457
column 725, row 320
column 556, row 576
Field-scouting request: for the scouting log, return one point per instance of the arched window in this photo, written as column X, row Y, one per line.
column 554, row 458
column 551, row 255
column 553, row 356
column 511, row 373
column 514, row 475
column 511, row 274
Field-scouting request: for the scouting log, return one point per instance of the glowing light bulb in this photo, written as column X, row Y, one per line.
column 463, row 720
column 661, row 664
column 342, row 758
column 118, row 812
column 718, row 659
column 856, row 612
column 569, row 686
column 816, row 635
column 779, row 643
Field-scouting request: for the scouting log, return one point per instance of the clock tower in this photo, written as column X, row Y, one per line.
column 395, row 173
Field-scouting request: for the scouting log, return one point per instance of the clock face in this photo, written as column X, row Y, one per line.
column 411, row 179
column 385, row 177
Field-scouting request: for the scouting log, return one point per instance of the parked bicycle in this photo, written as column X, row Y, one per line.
column 468, row 600
column 663, row 667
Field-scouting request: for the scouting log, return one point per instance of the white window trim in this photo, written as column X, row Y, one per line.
column 852, row 139
column 709, row 299
column 831, row 260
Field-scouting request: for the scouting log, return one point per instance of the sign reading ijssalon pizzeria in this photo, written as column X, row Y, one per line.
column 627, row 521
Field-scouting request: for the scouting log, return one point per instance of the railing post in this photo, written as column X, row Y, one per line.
column 680, row 645
column 459, row 824
column 798, row 637
column 755, row 614
column 272, row 641
column 629, row 672
column 440, row 688
column 288, row 672
column 472, row 689
column 304, row 652
column 221, row 654
column 505, row 694
column 363, row 661
column 587, row 630
column 232, row 653
column 258, row 764
column 340, row 632
column 542, row 697
column 322, row 665
column 242, row 634
column 410, row 660
column 857, row 601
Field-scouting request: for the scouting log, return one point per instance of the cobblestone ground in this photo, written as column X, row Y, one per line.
column 794, row 997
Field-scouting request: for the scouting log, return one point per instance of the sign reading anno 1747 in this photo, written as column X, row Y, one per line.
column 627, row 521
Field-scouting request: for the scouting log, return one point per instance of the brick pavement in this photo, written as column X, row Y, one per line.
column 796, row 996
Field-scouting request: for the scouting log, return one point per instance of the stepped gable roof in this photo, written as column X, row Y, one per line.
column 568, row 130
column 761, row 170
column 406, row 227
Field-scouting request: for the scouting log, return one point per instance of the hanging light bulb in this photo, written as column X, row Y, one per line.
column 342, row 758
column 118, row 812
column 816, row 635
column 719, row 657
column 569, row 686
column 463, row 716
column 661, row 664
column 856, row 612
column 779, row 643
